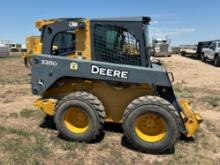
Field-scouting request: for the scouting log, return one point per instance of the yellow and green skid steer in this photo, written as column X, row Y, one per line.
column 92, row 71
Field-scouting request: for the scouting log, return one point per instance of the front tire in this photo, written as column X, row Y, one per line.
column 80, row 117
column 203, row 58
column 150, row 124
column 217, row 61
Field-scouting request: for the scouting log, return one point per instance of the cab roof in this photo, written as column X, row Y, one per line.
column 39, row 24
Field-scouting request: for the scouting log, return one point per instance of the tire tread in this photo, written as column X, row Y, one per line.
column 90, row 99
column 146, row 100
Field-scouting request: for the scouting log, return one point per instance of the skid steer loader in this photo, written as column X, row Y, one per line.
column 33, row 46
column 99, row 70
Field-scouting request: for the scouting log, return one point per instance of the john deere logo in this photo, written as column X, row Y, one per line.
column 109, row 72
column 73, row 66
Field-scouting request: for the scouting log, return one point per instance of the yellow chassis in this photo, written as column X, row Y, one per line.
column 191, row 119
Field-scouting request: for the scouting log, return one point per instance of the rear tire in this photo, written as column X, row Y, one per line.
column 159, row 130
column 217, row 61
column 203, row 58
column 80, row 117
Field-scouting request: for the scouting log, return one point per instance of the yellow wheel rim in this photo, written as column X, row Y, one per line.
column 76, row 120
column 150, row 128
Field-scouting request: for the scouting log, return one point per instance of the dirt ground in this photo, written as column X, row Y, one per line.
column 24, row 138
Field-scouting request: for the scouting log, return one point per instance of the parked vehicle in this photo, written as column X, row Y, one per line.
column 14, row 48
column 188, row 50
column 212, row 53
column 201, row 46
column 161, row 47
column 175, row 50
column 33, row 46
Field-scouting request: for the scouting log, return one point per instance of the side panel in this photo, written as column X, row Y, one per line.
column 46, row 70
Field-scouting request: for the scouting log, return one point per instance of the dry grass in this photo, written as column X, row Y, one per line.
column 182, row 91
column 13, row 71
column 23, row 140
column 22, row 146
column 28, row 113
column 214, row 101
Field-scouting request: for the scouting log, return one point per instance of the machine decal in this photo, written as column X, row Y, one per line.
column 73, row 66
column 49, row 62
column 109, row 72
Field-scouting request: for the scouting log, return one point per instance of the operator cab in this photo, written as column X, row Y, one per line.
column 113, row 40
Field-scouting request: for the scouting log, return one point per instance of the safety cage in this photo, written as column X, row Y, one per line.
column 116, row 45
column 120, row 41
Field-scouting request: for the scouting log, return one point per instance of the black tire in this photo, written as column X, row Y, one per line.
column 183, row 53
column 198, row 56
column 88, row 104
column 151, row 105
column 217, row 61
column 203, row 58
